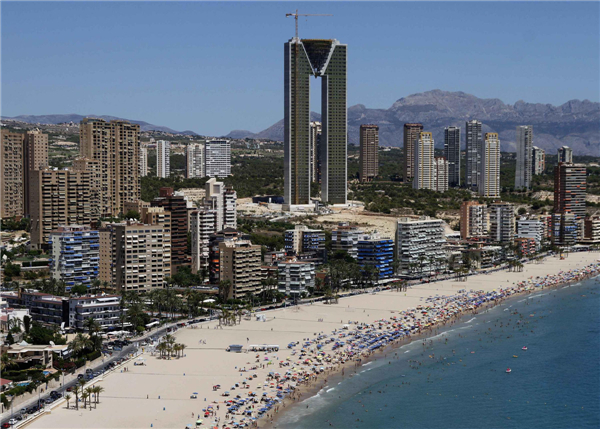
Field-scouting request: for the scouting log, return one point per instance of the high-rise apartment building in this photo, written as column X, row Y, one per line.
column 143, row 161
column 377, row 253
column 75, row 255
column 564, row 229
column 217, row 158
column 195, row 160
column 35, row 157
column 412, row 133
column 424, row 168
column 177, row 205
column 295, row 278
column 240, row 262
column 315, row 144
column 565, row 154
column 140, row 255
column 203, row 223
column 302, row 239
column 369, row 152
column 325, row 59
column 63, row 197
column 570, row 187
column 474, row 143
column 531, row 229
column 420, row 246
column 227, row 234
column 524, row 157
column 115, row 145
column 539, row 160
column 440, row 167
column 452, row 154
column 489, row 160
column 473, row 220
column 163, row 158
column 223, row 201
column 502, row 222
column 11, row 158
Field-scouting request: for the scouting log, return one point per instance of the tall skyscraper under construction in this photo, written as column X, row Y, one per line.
column 324, row 58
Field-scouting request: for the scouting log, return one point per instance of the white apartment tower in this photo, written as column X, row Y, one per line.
column 195, row 160
column 143, row 161
column 224, row 201
column 203, row 223
column 524, row 157
column 420, row 245
column 217, row 158
column 163, row 158
column 489, row 186
column 502, row 222
column 539, row 160
column 440, row 165
column 424, row 166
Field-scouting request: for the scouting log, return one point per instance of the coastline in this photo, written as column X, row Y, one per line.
column 336, row 375
column 158, row 393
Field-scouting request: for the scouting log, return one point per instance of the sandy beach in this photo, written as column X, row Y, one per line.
column 158, row 394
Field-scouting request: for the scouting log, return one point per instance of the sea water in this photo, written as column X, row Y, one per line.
column 458, row 379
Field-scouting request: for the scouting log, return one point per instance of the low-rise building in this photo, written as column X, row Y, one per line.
column 104, row 309
column 526, row 246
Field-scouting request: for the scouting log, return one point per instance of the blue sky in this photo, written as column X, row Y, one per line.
column 214, row 67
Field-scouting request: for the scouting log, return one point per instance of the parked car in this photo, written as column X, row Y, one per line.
column 80, row 376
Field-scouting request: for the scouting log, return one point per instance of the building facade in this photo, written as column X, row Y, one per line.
column 412, row 133
column 539, row 160
column 301, row 239
column 524, row 157
column 240, row 264
column 424, row 168
column 217, row 158
column 440, row 166
column 565, row 154
column 369, row 153
column 104, row 309
column 325, row 59
column 489, row 178
column 115, row 145
column 474, row 143
column 570, row 189
column 163, row 158
column 378, row 254
column 223, row 201
column 295, row 278
column 502, row 222
column 531, row 229
column 143, row 161
column 75, row 255
column 345, row 238
column 35, row 157
column 565, row 229
column 203, row 223
column 315, row 161
column 420, row 246
column 194, row 156
column 11, row 158
column 473, row 220
column 452, row 154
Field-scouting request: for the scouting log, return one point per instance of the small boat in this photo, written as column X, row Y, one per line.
column 515, row 356
column 524, row 348
column 508, row 370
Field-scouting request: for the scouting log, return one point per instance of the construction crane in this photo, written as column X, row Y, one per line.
column 296, row 15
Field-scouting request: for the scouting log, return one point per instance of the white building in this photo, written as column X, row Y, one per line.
column 217, row 158
column 489, row 181
column 539, row 160
column 440, row 165
column 524, row 157
column 163, row 158
column 502, row 222
column 203, row 223
column 195, row 160
column 296, row 278
column 420, row 245
column 424, row 166
column 346, row 238
column 104, row 309
column 75, row 255
column 143, row 161
column 224, row 201
column 531, row 228
column 565, row 154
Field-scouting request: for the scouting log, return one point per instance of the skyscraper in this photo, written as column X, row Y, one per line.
column 452, row 154
column 11, row 161
column 524, row 157
column 163, row 158
column 502, row 222
column 539, row 160
column 474, row 143
column 570, row 182
column 424, row 168
column 115, row 145
column 325, row 59
column 315, row 162
column 565, row 154
column 440, row 168
column 411, row 136
column 195, row 160
column 223, row 201
column 369, row 152
column 143, row 161
column 489, row 176
column 217, row 158
column 35, row 157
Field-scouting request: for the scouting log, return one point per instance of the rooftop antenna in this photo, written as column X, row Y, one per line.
column 296, row 15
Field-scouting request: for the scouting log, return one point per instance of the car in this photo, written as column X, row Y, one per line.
column 55, row 393
column 13, row 422
column 6, row 425
column 80, row 376
column 89, row 371
column 49, row 400
column 70, row 388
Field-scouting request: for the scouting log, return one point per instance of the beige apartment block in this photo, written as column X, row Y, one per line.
column 116, row 146
column 35, row 157
column 240, row 263
column 11, row 155
column 411, row 136
column 369, row 152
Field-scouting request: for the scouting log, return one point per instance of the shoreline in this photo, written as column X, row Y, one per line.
column 338, row 375
column 158, row 393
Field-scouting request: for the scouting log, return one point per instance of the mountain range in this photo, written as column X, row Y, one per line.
column 75, row 118
column 574, row 123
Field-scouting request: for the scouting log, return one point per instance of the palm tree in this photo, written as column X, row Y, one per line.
column 6, row 361
column 182, row 348
column 84, row 396
column 90, row 393
column 68, row 398
column 80, row 343
column 76, row 392
column 98, row 390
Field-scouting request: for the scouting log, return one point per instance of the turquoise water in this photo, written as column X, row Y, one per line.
column 554, row 384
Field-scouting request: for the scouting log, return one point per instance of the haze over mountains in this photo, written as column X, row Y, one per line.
column 575, row 123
